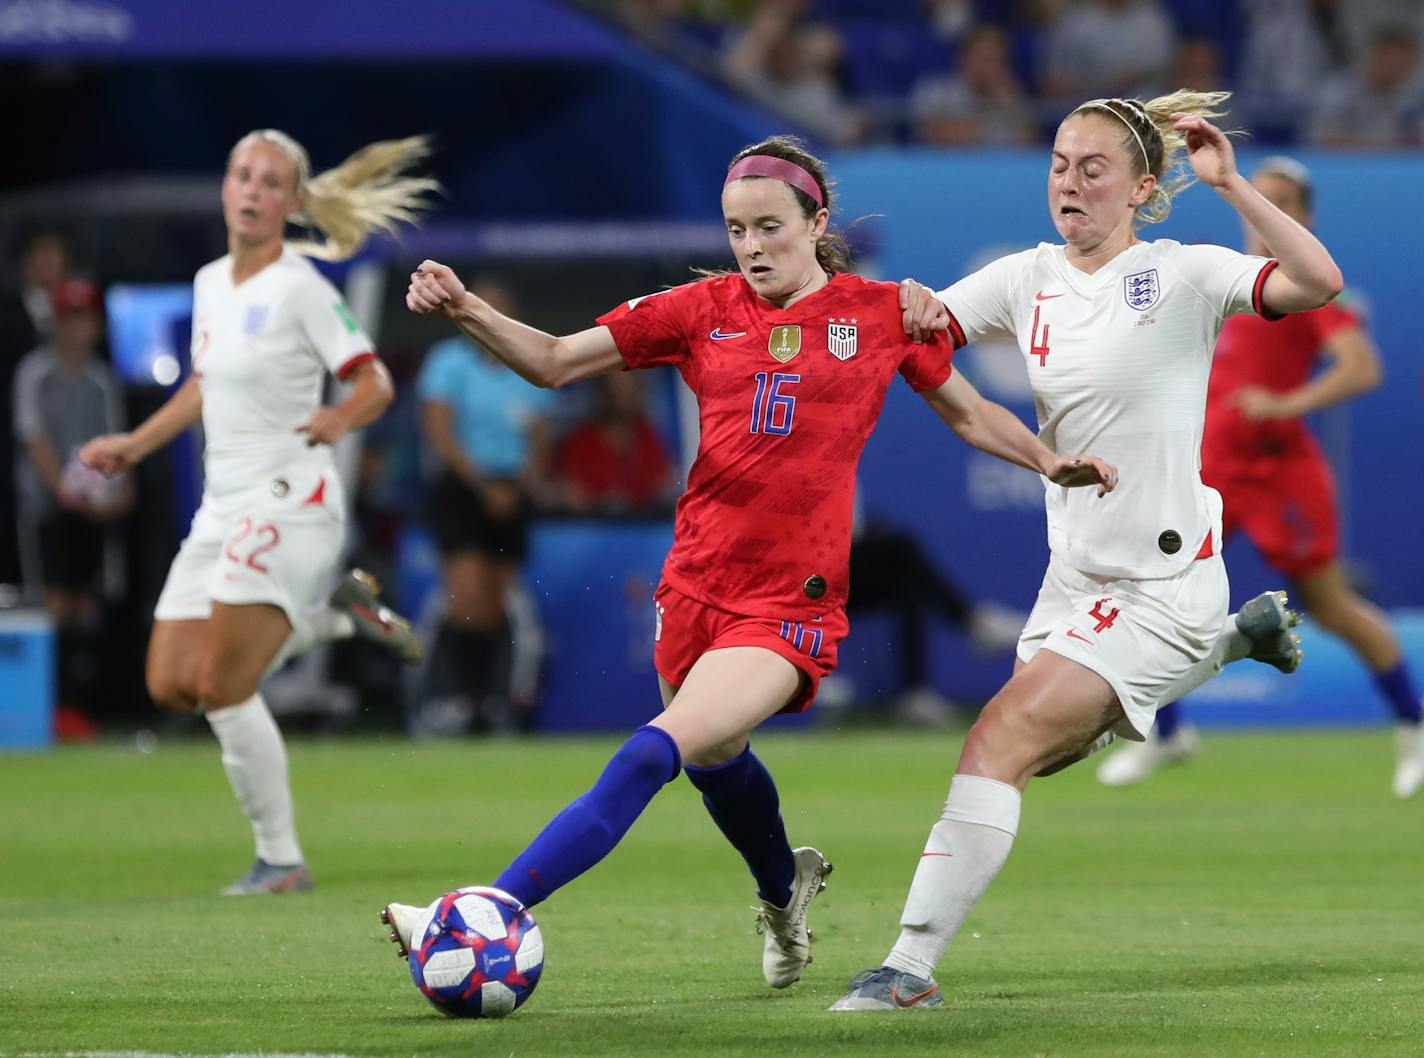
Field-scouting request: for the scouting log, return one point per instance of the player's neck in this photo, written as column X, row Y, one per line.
column 814, row 282
column 250, row 258
column 1089, row 259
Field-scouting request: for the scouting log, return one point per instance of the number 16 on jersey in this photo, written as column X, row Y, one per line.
column 772, row 407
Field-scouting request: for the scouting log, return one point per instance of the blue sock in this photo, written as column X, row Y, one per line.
column 742, row 800
column 1397, row 686
column 1169, row 718
column 589, row 828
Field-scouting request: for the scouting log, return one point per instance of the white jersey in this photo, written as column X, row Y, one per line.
column 261, row 351
column 1119, row 362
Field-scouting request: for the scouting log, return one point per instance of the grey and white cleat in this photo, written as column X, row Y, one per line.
column 263, row 878
column 1409, row 760
column 359, row 594
column 884, row 988
column 1267, row 621
column 787, row 949
column 401, row 918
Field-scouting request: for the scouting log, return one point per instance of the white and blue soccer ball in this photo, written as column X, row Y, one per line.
column 476, row 953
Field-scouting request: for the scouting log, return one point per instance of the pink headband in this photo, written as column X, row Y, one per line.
column 777, row 169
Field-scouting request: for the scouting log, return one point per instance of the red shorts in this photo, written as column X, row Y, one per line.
column 1286, row 508
column 688, row 628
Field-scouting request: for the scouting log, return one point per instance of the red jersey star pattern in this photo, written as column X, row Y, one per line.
column 783, row 421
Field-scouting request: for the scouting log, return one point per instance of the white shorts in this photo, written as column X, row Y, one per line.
column 1139, row 635
column 276, row 544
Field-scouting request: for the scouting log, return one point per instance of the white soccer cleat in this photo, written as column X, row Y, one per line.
column 402, row 919
column 1137, row 761
column 1409, row 760
column 787, row 950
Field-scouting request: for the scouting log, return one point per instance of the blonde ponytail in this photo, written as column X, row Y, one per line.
column 368, row 192
column 1153, row 143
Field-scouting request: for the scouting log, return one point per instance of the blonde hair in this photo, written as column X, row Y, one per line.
column 1154, row 145
column 370, row 191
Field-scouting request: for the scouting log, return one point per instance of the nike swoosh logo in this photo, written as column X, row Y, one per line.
column 911, row 1001
column 1073, row 633
column 718, row 336
column 1041, row 296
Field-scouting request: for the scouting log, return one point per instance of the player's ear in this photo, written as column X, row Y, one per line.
column 1146, row 185
column 819, row 223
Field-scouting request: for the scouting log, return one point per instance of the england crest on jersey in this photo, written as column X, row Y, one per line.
column 1141, row 289
column 841, row 340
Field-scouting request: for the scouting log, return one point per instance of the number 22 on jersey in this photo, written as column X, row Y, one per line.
column 256, row 539
column 772, row 408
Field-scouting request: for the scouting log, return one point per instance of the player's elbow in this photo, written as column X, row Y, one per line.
column 1331, row 284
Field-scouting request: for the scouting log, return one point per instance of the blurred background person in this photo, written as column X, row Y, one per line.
column 26, row 320
column 615, row 463
column 65, row 395
column 1379, row 104
column 981, row 102
column 487, row 429
column 1278, row 488
column 1108, row 48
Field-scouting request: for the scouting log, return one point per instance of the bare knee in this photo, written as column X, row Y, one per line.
column 170, row 692
column 218, row 686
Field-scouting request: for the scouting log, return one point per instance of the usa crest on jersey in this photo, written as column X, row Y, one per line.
column 841, row 339
column 1141, row 289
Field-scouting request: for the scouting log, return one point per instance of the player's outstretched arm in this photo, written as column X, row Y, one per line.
column 114, row 453
column 992, row 428
column 539, row 358
column 1308, row 276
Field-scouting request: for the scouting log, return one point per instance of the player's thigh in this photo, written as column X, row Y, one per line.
column 175, row 653
column 242, row 640
column 1050, row 708
column 727, row 693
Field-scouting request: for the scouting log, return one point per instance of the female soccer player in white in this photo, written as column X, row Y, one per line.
column 267, row 327
column 1117, row 334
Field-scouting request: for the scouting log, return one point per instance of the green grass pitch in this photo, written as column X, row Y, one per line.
column 1266, row 900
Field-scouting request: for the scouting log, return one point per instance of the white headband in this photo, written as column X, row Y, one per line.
column 1102, row 104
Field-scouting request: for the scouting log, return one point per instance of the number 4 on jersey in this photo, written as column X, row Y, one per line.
column 1037, row 347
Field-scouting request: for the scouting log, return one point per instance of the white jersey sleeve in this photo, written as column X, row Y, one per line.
column 331, row 330
column 1226, row 280
column 981, row 305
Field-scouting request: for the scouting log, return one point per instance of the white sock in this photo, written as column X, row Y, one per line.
column 965, row 852
column 1230, row 646
column 322, row 625
column 255, row 760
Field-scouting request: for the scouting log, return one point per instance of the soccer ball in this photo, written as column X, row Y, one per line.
column 476, row 953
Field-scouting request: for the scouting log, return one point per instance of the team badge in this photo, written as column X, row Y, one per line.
column 785, row 341
column 841, row 339
column 1141, row 289
column 253, row 321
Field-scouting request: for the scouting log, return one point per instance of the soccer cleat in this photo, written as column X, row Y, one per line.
column 1137, row 761
column 787, row 950
column 266, row 877
column 402, row 919
column 1409, row 760
column 884, row 988
column 1267, row 622
column 359, row 595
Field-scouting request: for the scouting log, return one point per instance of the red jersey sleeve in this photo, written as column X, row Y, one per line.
column 927, row 366
column 652, row 330
column 1328, row 320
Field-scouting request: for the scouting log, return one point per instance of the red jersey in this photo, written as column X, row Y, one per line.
column 1275, row 355
column 629, row 476
column 786, row 399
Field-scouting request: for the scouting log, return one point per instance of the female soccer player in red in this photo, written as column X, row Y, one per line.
column 1276, row 486
column 790, row 358
column 1117, row 334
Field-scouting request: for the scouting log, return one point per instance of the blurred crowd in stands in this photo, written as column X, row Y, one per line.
column 1333, row 73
